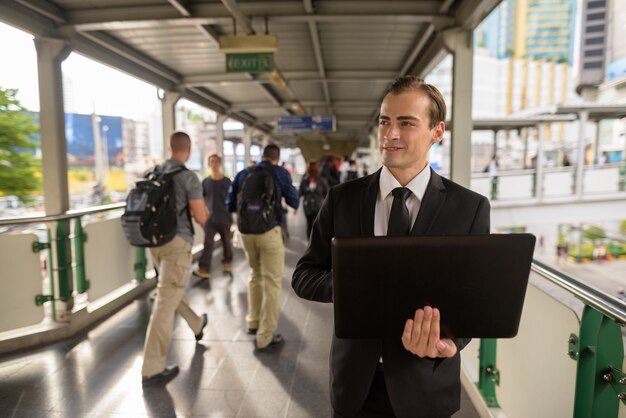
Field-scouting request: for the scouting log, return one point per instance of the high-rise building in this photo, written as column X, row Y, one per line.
column 496, row 32
column 536, row 29
column 593, row 43
column 616, row 53
column 545, row 29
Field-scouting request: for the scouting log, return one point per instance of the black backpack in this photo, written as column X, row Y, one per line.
column 312, row 199
column 351, row 175
column 257, row 201
column 150, row 217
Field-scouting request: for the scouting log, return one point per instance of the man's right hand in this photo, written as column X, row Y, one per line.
column 421, row 335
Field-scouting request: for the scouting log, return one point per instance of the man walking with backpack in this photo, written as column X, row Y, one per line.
column 256, row 195
column 173, row 261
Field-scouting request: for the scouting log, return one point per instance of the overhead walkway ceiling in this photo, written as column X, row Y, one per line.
column 336, row 56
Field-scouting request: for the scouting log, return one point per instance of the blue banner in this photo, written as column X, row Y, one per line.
column 305, row 123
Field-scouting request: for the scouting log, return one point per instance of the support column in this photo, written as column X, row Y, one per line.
column 265, row 141
column 168, row 104
column 247, row 142
column 50, row 55
column 583, row 116
column 523, row 133
column 219, row 135
column 596, row 144
column 540, row 161
column 459, row 42
column 374, row 160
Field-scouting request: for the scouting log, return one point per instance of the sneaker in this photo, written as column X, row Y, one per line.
column 165, row 376
column 205, row 320
column 252, row 331
column 203, row 274
column 276, row 339
column 228, row 268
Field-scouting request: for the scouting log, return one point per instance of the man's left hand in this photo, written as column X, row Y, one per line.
column 421, row 335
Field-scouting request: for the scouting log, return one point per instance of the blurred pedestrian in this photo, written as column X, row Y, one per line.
column 215, row 189
column 313, row 190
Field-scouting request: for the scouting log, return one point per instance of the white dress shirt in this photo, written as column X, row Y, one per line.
column 384, row 200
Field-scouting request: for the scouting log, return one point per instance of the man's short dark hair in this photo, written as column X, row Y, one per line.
column 271, row 152
column 180, row 141
column 214, row 156
column 408, row 83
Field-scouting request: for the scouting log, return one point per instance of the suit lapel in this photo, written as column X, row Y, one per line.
column 368, row 204
column 432, row 202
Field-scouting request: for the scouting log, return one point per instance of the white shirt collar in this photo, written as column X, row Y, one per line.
column 417, row 185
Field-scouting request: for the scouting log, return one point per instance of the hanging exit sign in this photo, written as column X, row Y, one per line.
column 260, row 62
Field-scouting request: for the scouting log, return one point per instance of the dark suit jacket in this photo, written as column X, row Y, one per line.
column 417, row 387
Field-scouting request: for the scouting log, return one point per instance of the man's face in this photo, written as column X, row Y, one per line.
column 404, row 134
column 214, row 164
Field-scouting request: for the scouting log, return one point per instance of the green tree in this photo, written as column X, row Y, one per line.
column 594, row 233
column 18, row 167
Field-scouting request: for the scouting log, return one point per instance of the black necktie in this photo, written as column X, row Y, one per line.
column 399, row 220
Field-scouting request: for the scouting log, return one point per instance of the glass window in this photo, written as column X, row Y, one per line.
column 113, row 128
column 594, row 53
column 240, row 149
column 593, row 64
column 594, row 28
column 229, row 148
column 19, row 118
column 596, row 4
column 594, row 41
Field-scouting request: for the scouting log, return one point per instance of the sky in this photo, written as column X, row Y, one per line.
column 89, row 85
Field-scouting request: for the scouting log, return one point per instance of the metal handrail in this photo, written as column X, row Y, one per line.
column 607, row 305
column 70, row 214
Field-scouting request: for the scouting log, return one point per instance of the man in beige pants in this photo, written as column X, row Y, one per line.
column 264, row 246
column 173, row 261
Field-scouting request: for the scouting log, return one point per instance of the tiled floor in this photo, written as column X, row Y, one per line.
column 97, row 373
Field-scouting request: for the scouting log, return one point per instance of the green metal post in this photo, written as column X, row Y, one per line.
column 64, row 260
column 494, row 188
column 82, row 284
column 622, row 177
column 601, row 349
column 51, row 276
column 140, row 264
column 534, row 181
column 489, row 375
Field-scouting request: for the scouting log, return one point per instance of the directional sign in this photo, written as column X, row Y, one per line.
column 305, row 123
column 261, row 62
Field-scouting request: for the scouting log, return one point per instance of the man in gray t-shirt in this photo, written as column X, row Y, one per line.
column 173, row 262
column 215, row 189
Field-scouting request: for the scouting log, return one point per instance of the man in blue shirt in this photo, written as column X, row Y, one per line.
column 265, row 252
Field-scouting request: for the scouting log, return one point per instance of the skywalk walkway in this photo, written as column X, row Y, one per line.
column 97, row 373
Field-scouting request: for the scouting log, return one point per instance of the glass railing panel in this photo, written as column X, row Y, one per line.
column 198, row 234
column 469, row 356
column 109, row 258
column 537, row 377
column 20, row 281
column 558, row 182
column 515, row 186
column 601, row 179
column 481, row 183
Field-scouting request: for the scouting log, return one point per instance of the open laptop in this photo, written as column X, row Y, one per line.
column 478, row 282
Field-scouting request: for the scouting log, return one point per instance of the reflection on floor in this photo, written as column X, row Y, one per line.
column 97, row 373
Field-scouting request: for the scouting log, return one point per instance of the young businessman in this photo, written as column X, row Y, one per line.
column 416, row 374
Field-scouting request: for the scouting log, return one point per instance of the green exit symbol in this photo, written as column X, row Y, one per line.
column 250, row 63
